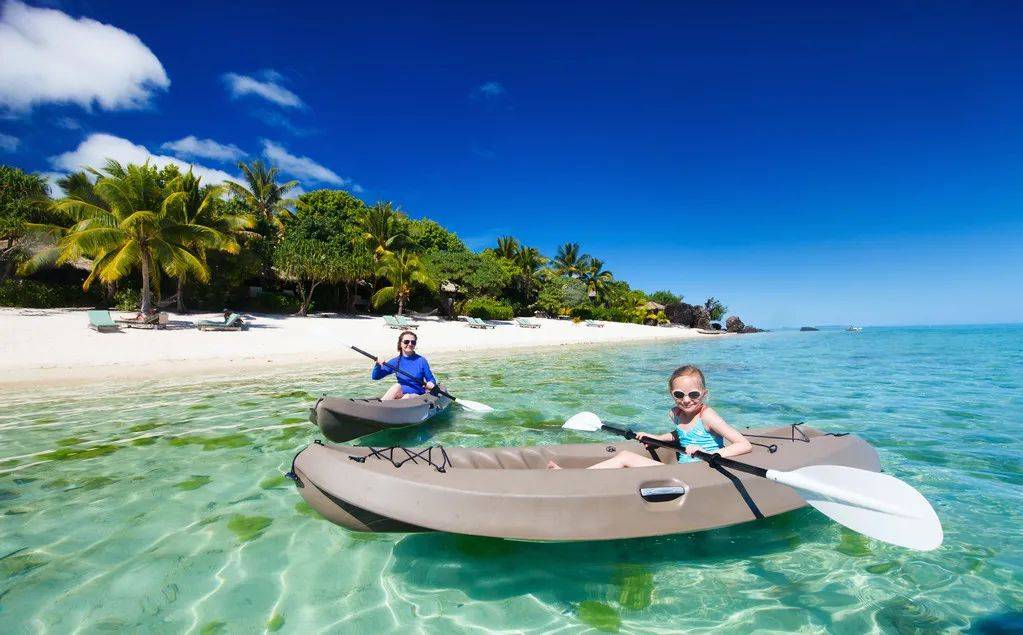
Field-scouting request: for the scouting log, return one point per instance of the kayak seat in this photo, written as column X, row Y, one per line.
column 504, row 459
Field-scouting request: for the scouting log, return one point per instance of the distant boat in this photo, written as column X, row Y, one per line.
column 854, row 329
column 809, row 328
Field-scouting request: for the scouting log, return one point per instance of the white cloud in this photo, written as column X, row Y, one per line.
column 302, row 167
column 191, row 146
column 97, row 148
column 51, row 180
column 271, row 90
column 9, row 143
column 49, row 56
column 488, row 90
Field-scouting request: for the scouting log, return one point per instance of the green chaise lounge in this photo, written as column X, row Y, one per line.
column 100, row 321
column 594, row 323
column 405, row 322
column 526, row 324
column 481, row 324
column 232, row 323
column 392, row 322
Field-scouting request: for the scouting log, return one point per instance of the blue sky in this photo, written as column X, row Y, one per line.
column 803, row 163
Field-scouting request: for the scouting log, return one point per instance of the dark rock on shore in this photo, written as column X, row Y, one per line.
column 809, row 328
column 691, row 315
column 734, row 324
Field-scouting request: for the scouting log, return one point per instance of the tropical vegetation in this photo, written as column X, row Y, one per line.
column 141, row 236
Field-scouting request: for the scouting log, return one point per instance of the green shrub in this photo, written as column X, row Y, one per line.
column 128, row 300
column 277, row 303
column 582, row 313
column 39, row 295
column 629, row 316
column 488, row 309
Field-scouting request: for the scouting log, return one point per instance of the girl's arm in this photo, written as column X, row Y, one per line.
column 667, row 436
column 737, row 444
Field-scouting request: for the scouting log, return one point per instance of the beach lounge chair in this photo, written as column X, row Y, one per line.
column 100, row 321
column 526, row 324
column 232, row 323
column 405, row 322
column 476, row 323
column 484, row 323
column 392, row 323
column 594, row 323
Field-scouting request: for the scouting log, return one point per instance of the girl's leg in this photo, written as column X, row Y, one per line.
column 624, row 459
column 394, row 392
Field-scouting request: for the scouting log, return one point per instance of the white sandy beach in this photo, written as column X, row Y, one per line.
column 55, row 346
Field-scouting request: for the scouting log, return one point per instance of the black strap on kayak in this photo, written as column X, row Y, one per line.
column 739, row 487
column 426, row 454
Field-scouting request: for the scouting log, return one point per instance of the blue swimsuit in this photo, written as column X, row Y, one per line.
column 698, row 435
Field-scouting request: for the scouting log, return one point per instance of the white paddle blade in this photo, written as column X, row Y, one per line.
column 583, row 421
column 473, row 406
column 876, row 505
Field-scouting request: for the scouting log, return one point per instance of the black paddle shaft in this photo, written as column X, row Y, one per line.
column 401, row 372
column 713, row 459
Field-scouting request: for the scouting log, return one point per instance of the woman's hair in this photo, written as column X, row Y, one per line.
column 402, row 336
column 687, row 371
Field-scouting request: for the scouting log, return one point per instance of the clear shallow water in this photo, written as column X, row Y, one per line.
column 162, row 508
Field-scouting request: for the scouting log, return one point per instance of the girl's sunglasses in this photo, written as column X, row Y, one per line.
column 409, row 342
column 693, row 395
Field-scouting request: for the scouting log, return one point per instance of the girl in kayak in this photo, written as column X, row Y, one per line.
column 697, row 426
column 413, row 364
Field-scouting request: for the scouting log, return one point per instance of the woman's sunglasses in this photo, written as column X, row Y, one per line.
column 693, row 395
column 409, row 342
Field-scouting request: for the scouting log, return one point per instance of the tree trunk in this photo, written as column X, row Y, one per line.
column 307, row 299
column 181, row 293
column 401, row 304
column 147, row 296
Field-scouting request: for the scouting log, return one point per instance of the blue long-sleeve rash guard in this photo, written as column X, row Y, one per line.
column 416, row 365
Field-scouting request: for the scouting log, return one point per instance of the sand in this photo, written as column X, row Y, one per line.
column 55, row 346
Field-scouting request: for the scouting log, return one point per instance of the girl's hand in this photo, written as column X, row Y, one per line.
column 380, row 362
column 430, row 385
column 692, row 449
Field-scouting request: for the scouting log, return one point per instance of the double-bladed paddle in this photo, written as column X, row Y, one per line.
column 876, row 505
column 473, row 406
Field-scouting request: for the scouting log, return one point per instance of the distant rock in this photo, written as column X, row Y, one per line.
column 691, row 315
column 809, row 328
column 716, row 326
column 734, row 325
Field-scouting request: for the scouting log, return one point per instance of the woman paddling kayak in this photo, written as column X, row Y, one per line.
column 408, row 361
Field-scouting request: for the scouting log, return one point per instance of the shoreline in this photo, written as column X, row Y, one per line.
column 55, row 347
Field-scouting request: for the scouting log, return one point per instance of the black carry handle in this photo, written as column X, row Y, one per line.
column 713, row 459
column 435, row 390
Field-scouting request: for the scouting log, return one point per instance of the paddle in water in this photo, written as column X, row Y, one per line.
column 876, row 505
column 473, row 406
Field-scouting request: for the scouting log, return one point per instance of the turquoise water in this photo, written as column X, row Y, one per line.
column 161, row 507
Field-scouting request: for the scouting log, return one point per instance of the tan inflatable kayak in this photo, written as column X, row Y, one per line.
column 342, row 419
column 509, row 493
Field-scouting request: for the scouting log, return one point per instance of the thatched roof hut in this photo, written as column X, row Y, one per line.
column 653, row 306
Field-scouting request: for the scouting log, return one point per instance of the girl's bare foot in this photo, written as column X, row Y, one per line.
column 551, row 465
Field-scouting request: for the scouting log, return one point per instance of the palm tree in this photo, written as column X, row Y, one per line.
column 262, row 194
column 133, row 226
column 404, row 271
column 507, row 247
column 596, row 278
column 529, row 261
column 569, row 262
column 380, row 227
column 193, row 204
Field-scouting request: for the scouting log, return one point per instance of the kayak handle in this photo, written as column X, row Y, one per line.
column 436, row 389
